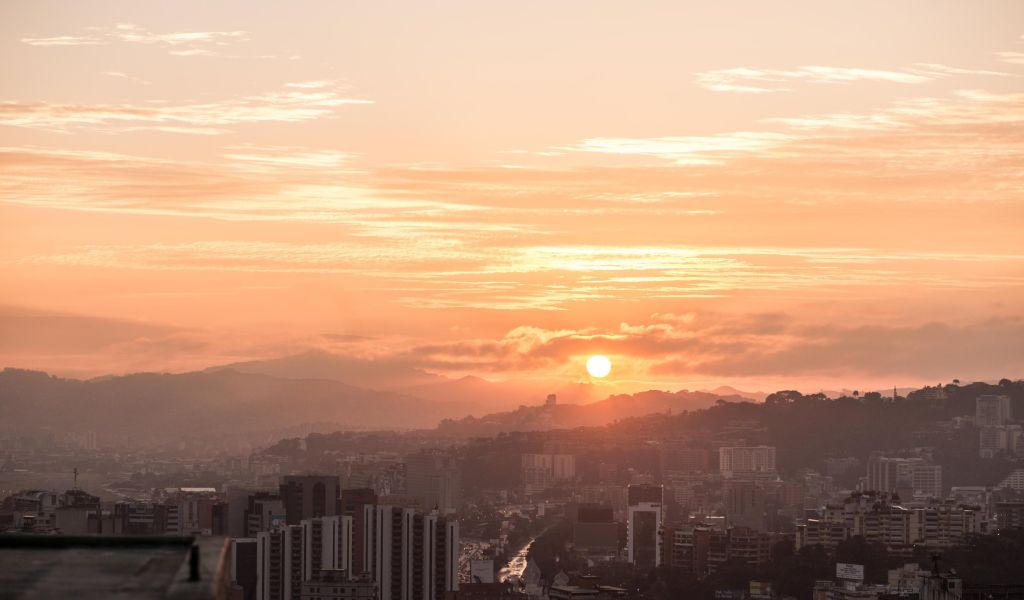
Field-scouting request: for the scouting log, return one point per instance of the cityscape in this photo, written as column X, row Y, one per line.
column 532, row 300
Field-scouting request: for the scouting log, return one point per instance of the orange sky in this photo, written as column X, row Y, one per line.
column 770, row 195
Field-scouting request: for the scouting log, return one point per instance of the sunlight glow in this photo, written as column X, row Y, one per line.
column 599, row 366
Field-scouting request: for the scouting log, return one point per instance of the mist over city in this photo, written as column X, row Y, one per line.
column 560, row 300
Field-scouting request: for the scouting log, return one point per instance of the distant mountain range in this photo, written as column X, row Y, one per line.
column 567, row 416
column 321, row 388
column 397, row 376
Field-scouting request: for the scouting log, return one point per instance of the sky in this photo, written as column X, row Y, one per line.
column 763, row 194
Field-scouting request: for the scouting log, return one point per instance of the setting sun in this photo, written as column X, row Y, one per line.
column 599, row 366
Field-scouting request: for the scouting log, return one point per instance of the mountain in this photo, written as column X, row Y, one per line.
column 728, row 390
column 490, row 396
column 567, row 416
column 389, row 374
column 164, row 407
column 394, row 375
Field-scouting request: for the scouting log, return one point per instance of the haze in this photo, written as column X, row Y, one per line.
column 761, row 194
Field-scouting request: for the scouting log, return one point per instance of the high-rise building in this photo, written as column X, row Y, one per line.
column 991, row 411
column 679, row 456
column 901, row 475
column 326, row 544
column 745, row 505
column 245, row 566
column 336, row 584
column 289, row 556
column 352, row 504
column 541, row 471
column 435, row 479
column 411, row 555
column 308, row 496
column 644, row 519
column 745, row 461
column 874, row 516
column 595, row 532
column 279, row 564
column 264, row 511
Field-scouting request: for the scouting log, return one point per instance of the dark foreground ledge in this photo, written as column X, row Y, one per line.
column 88, row 567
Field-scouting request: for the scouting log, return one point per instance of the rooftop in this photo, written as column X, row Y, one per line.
column 95, row 567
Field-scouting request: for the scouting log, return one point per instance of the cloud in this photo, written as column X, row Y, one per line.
column 1014, row 58
column 441, row 272
column 252, row 157
column 120, row 75
column 760, row 81
column 768, row 345
column 182, row 43
column 936, row 350
column 290, row 105
column 712, row 149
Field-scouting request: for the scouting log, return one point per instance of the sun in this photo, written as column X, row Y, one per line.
column 599, row 366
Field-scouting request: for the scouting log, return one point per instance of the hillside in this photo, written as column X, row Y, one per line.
column 160, row 407
column 565, row 416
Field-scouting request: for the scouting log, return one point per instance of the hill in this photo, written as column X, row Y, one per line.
column 567, row 416
column 156, row 407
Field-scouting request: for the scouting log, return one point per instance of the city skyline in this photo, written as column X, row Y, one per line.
column 769, row 197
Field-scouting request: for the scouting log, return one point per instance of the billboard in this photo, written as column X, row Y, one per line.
column 849, row 571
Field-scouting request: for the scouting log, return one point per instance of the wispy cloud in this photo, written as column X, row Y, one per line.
column 684, row 150
column 445, row 271
column 121, row 75
column 759, row 81
column 757, row 344
column 252, row 157
column 289, row 105
column 181, row 43
column 1014, row 58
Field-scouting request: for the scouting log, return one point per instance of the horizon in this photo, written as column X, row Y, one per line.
column 785, row 208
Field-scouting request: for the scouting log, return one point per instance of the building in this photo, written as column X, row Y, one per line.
column 999, row 440
column 991, row 411
column 353, row 504
column 876, row 517
column 680, row 456
column 411, row 555
column 1013, row 481
column 908, row 477
column 435, row 480
column 699, row 549
column 308, row 496
column 1009, row 514
column 279, row 563
column 746, row 461
column 335, row 584
column 595, row 533
column 264, row 511
column 245, row 567
column 644, row 519
column 541, row 471
column 818, row 532
column 745, row 504
column 326, row 545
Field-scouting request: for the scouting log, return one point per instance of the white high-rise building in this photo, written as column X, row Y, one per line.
column 326, row 544
column 412, row 555
column 736, row 461
column 991, row 411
